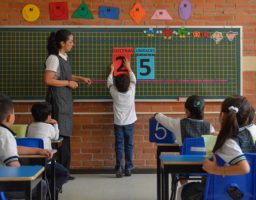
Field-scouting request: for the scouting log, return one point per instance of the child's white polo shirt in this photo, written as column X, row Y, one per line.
column 8, row 147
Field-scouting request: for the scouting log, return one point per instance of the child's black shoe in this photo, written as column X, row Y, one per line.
column 127, row 172
column 119, row 174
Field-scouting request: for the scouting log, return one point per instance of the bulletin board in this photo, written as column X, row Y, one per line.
column 182, row 64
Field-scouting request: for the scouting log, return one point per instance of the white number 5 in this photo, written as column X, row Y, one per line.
column 160, row 129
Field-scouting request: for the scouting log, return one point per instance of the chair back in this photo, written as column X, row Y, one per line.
column 232, row 187
column 30, row 142
column 2, row 196
column 193, row 146
column 159, row 134
column 209, row 141
column 20, row 130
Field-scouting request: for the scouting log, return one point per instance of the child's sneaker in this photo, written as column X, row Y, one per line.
column 127, row 172
column 119, row 174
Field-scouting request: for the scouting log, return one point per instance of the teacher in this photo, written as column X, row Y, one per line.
column 60, row 81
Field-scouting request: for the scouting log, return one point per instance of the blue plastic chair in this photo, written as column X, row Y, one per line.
column 30, row 142
column 193, row 146
column 242, row 186
column 2, row 196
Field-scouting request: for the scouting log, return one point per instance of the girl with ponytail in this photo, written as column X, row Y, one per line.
column 61, row 82
column 234, row 139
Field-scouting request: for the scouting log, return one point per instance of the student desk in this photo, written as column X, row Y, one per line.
column 178, row 164
column 42, row 160
column 163, row 148
column 57, row 144
column 24, row 178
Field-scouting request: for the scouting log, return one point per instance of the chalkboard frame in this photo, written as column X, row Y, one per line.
column 144, row 27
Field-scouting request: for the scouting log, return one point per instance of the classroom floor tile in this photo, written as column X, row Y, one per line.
column 107, row 187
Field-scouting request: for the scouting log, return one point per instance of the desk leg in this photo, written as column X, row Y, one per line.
column 28, row 192
column 158, row 181
column 174, row 186
column 53, row 189
column 165, row 185
column 39, row 191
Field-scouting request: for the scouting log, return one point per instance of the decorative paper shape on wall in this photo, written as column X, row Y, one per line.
column 205, row 34
column 185, row 9
column 83, row 12
column 196, row 34
column 150, row 32
column 137, row 13
column 30, row 12
column 183, row 32
column 231, row 35
column 58, row 10
column 217, row 36
column 167, row 33
column 108, row 12
column 161, row 15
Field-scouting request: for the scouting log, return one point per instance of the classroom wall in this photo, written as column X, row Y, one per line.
column 93, row 141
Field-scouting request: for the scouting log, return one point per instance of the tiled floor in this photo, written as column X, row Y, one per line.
column 107, row 187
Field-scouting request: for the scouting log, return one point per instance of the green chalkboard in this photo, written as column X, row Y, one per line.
column 188, row 62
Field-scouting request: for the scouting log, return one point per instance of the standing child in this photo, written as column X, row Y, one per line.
column 191, row 126
column 9, row 152
column 122, row 90
column 46, row 128
column 232, row 140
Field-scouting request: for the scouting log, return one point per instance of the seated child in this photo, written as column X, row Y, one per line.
column 191, row 126
column 9, row 152
column 46, row 128
column 235, row 114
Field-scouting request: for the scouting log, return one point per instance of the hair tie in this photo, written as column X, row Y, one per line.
column 198, row 104
column 233, row 108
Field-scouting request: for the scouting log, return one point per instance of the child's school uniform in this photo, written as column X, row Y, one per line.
column 9, row 153
column 230, row 153
column 246, row 138
column 124, row 119
column 185, row 128
column 45, row 131
column 8, row 146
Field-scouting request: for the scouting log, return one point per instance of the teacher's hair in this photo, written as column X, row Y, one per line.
column 55, row 39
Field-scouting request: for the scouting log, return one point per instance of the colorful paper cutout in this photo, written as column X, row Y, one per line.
column 58, row 10
column 108, row 12
column 205, row 34
column 217, row 37
column 150, row 32
column 182, row 33
column 137, row 13
column 83, row 12
column 231, row 35
column 167, row 33
column 118, row 58
column 161, row 15
column 185, row 9
column 196, row 34
column 30, row 12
